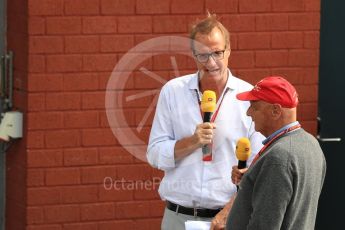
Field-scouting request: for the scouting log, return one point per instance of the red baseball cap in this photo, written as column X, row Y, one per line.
column 274, row 90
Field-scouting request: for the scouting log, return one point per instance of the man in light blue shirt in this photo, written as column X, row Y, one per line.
column 195, row 189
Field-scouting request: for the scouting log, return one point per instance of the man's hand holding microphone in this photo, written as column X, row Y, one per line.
column 243, row 152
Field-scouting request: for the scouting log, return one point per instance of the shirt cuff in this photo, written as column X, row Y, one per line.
column 166, row 155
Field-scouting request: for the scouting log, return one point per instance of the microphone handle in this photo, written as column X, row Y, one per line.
column 207, row 116
column 242, row 164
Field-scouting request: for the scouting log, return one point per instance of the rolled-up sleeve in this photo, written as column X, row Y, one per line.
column 160, row 151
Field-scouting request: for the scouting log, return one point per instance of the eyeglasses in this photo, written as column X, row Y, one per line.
column 216, row 55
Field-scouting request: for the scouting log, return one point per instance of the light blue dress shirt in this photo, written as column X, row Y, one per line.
column 191, row 182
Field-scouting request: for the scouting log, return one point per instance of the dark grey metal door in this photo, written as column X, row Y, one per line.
column 331, row 113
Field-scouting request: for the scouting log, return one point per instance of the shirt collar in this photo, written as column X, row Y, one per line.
column 278, row 131
column 230, row 83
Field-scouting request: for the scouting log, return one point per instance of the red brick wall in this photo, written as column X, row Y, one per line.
column 66, row 56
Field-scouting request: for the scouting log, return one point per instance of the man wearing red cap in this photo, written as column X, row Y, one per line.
column 281, row 188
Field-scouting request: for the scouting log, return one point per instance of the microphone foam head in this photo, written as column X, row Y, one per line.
column 243, row 149
column 208, row 102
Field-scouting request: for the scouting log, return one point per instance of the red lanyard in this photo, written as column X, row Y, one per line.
column 214, row 116
column 261, row 152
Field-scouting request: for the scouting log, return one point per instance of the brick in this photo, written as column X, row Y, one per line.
column 114, row 155
column 273, row 58
column 169, row 24
column 81, row 226
column 98, row 137
column 241, row 59
column 44, row 158
column 239, row 23
column 34, row 215
column 36, row 102
column 143, row 80
column 44, row 227
column 144, row 135
column 116, row 43
column 64, row 63
column 81, row 7
column 310, row 127
column 138, row 101
column 307, row 93
column 164, row 62
column 299, row 75
column 99, row 62
column 45, row 44
column 100, row 25
column 157, row 208
column 115, row 191
column 135, row 24
column 36, row 64
column 93, row 100
column 186, row 7
column 222, row 6
column 80, row 82
column 312, row 40
column 132, row 209
column 254, row 6
column 312, row 5
column 152, row 7
column 43, row 120
column 120, row 224
column 108, row 81
column 285, row 40
column 81, row 44
column 134, row 60
column 250, row 41
column 307, row 111
column 144, row 224
column 76, row 157
column 304, row 21
column 150, row 192
column 303, row 58
column 62, row 138
column 63, row 25
column 81, row 119
column 134, row 172
column 98, row 174
column 272, row 22
column 131, row 136
column 287, row 6
column 45, row 82
column 36, row 25
column 35, row 177
column 43, row 196
column 144, row 116
column 61, row 213
column 20, row 99
column 62, row 176
column 252, row 75
column 45, row 7
column 101, row 211
column 117, row 7
column 63, row 101
column 79, row 194
column 35, row 139
column 233, row 42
